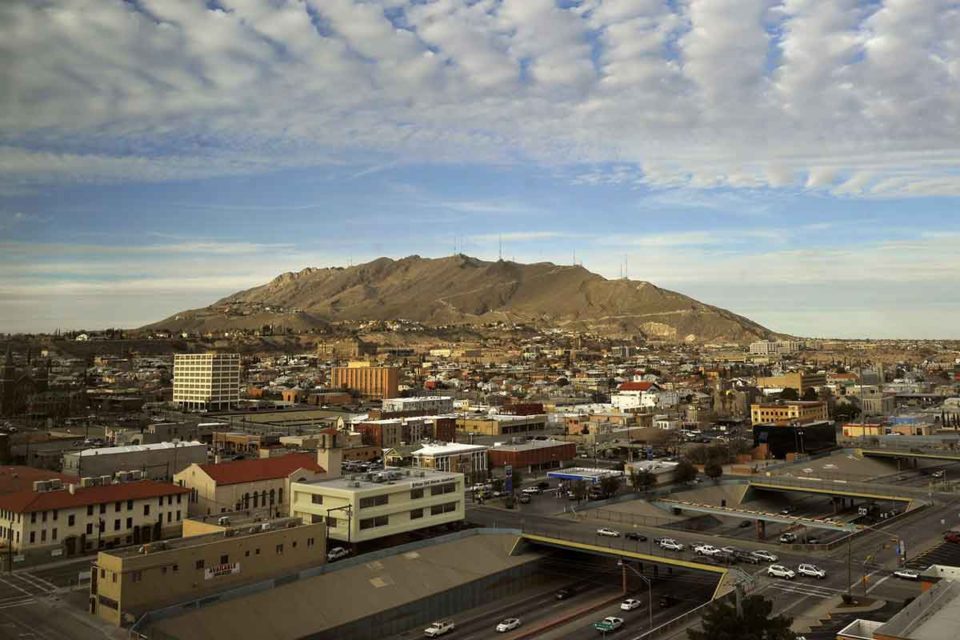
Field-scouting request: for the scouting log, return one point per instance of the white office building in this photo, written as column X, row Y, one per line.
column 206, row 381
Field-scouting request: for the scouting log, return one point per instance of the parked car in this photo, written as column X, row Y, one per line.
column 508, row 625
column 609, row 533
column 670, row 545
column 780, row 571
column 632, row 535
column 532, row 491
column 937, row 474
column 336, row 553
column 630, row 604
column 951, row 536
column 723, row 558
column 811, row 571
column 439, row 628
column 907, row 574
column 524, row 498
column 764, row 555
column 788, row 538
column 706, row 550
column 746, row 556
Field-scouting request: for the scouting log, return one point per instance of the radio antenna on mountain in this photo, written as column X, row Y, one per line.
column 500, row 247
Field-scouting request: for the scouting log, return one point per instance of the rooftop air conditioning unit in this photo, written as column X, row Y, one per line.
column 356, row 485
column 105, row 480
column 55, row 483
column 87, row 482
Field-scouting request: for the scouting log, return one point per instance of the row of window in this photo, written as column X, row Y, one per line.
column 415, row 514
column 171, row 518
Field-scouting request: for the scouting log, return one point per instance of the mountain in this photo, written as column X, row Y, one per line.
column 464, row 290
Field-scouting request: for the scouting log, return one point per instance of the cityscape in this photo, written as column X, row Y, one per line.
column 520, row 319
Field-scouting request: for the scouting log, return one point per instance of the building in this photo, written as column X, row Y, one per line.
column 371, row 506
column 801, row 381
column 225, row 552
column 260, row 485
column 468, row 459
column 59, row 519
column 14, row 478
column 206, row 381
column 394, row 432
column 346, row 349
column 778, row 348
column 860, row 430
column 533, row 455
column 874, row 401
column 159, row 461
column 779, row 440
column 19, row 385
column 499, row 425
column 799, row 412
column 371, row 383
column 423, row 404
column 931, row 615
column 232, row 442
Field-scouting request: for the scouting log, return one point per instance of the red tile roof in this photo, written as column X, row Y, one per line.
column 20, row 478
column 635, row 386
column 261, row 468
column 29, row 500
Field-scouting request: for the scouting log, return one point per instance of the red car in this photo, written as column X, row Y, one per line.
column 951, row 536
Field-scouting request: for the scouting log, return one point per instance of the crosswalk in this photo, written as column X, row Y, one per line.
column 22, row 588
column 805, row 589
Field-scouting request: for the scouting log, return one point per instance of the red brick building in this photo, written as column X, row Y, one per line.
column 533, row 455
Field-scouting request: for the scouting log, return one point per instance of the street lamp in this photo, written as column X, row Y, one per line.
column 349, row 509
column 624, row 566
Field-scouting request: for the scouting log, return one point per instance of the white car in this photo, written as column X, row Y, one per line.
column 336, row 553
column 764, row 555
column 439, row 628
column 907, row 574
column 671, row 545
column 610, row 533
column 812, row 571
column 533, row 491
column 630, row 604
column 780, row 571
column 508, row 625
column 612, row 623
column 707, row 550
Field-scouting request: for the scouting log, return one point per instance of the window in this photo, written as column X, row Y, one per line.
column 129, row 523
column 178, row 515
column 179, row 496
column 103, row 508
column 89, row 509
column 310, row 542
column 89, row 528
column 273, row 496
column 33, row 537
column 443, row 508
column 116, row 507
column 373, row 501
column 256, row 497
column 316, row 499
column 137, row 576
column 71, row 520
column 280, row 495
column 176, row 567
column 146, row 509
column 44, row 514
column 55, row 512
column 416, row 514
column 416, row 493
column 224, row 559
column 443, row 488
column 43, row 535
column 129, row 505
column 370, row 523
column 107, row 602
column 33, row 517
column 294, row 544
column 199, row 564
column 169, row 517
column 116, row 524
column 280, row 549
column 246, row 554
column 256, row 552
column 53, row 534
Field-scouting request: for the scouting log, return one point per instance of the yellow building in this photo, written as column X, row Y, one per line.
column 498, row 425
column 370, row 506
column 796, row 380
column 228, row 551
column 370, row 382
column 854, row 430
column 796, row 412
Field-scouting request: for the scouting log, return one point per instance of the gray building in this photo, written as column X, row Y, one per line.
column 159, row 461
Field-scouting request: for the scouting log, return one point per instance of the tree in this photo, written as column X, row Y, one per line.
column 713, row 470
column 684, row 471
column 789, row 394
column 846, row 411
column 721, row 622
column 810, row 394
column 642, row 480
column 609, row 485
column 580, row 490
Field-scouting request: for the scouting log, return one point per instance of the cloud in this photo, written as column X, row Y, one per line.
column 803, row 94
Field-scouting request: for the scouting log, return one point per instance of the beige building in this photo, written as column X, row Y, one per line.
column 348, row 348
column 373, row 383
column 783, row 413
column 261, row 485
column 206, row 381
column 224, row 552
column 468, row 459
column 796, row 380
column 498, row 425
column 370, row 506
column 65, row 519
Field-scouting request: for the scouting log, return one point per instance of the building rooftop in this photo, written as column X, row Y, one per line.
column 448, row 448
column 73, row 496
column 531, row 445
column 21, row 478
column 248, row 527
column 391, row 476
column 933, row 615
column 259, row 469
column 133, row 448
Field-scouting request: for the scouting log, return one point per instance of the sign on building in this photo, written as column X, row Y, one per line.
column 221, row 570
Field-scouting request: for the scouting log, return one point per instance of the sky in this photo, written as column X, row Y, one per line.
column 795, row 161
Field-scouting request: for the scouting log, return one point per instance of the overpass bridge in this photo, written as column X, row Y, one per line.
column 750, row 514
column 944, row 455
column 840, row 489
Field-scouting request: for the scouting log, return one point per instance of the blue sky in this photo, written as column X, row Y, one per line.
column 763, row 156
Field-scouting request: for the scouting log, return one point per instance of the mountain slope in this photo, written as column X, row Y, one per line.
column 460, row 289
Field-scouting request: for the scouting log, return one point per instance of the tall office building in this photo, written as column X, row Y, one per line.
column 206, row 381
column 370, row 382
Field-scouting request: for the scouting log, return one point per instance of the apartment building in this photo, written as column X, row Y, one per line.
column 206, row 381
column 66, row 518
column 796, row 412
column 160, row 461
column 778, row 348
column 226, row 552
column 422, row 404
column 371, row 506
column 796, row 380
column 371, row 383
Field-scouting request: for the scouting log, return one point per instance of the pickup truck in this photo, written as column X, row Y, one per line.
column 439, row 628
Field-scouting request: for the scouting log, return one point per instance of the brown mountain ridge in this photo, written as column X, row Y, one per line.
column 464, row 290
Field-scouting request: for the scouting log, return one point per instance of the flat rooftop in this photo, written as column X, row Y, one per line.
column 530, row 445
column 392, row 476
column 933, row 615
column 252, row 529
